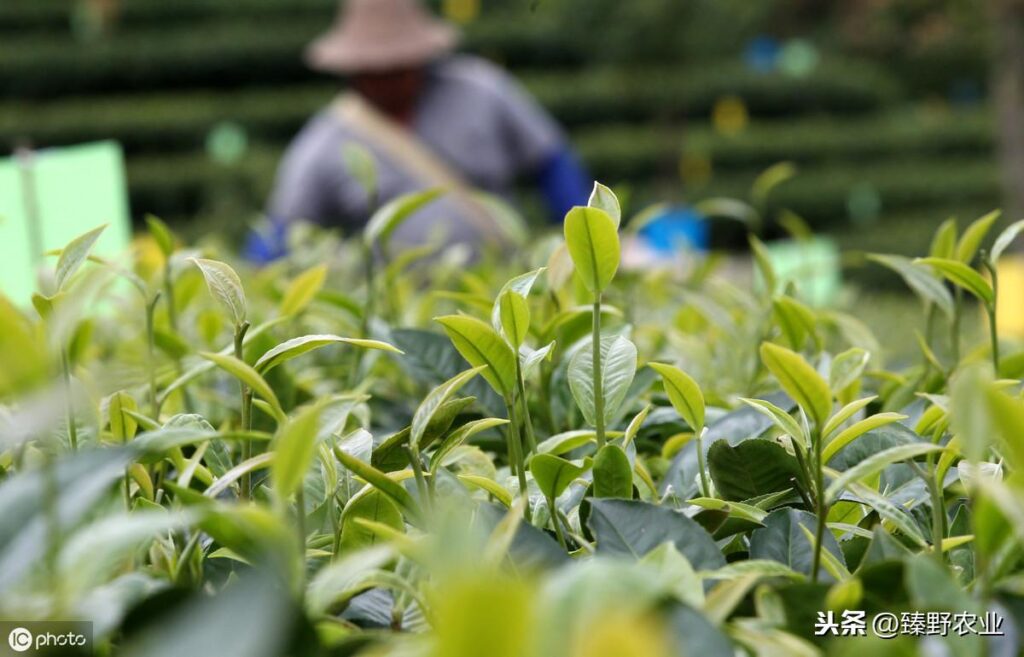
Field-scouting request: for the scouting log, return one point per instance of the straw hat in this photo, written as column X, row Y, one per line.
column 379, row 35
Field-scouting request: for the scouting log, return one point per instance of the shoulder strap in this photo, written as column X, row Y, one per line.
column 415, row 158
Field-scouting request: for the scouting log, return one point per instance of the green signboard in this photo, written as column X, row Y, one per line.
column 50, row 196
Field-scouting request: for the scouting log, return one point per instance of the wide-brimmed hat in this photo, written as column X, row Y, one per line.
column 380, row 35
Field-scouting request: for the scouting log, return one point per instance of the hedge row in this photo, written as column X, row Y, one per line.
column 176, row 184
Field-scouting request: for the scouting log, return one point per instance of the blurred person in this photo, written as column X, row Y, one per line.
column 430, row 118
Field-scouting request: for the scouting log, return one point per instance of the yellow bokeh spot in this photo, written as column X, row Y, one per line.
column 461, row 11
column 695, row 169
column 1010, row 310
column 622, row 635
column 729, row 116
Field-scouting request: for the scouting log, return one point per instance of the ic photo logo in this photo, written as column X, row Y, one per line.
column 19, row 639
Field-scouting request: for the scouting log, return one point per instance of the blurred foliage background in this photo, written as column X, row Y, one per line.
column 882, row 104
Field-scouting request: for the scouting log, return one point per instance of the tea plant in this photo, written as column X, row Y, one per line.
column 355, row 452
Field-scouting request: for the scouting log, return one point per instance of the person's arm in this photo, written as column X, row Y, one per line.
column 541, row 150
column 302, row 192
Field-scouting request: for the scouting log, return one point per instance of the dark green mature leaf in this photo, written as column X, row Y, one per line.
column 74, row 254
column 592, row 238
column 225, row 286
column 752, row 468
column 481, row 345
column 461, row 435
column 613, row 474
column 618, row 367
column 801, row 381
column 631, row 528
column 878, row 462
column 782, row 540
column 700, row 636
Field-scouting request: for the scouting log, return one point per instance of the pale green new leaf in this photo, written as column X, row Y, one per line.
column 847, row 368
column 480, row 345
column 844, row 414
column 225, row 286
column 295, row 347
column 247, row 375
column 554, row 474
column 877, row 463
column 592, row 238
column 74, row 254
column 381, row 482
column 801, row 381
column 393, row 213
column 618, row 367
column 515, row 317
column 1005, row 239
column 973, row 236
column 779, row 417
column 522, row 285
column 851, row 433
column 461, row 435
column 433, row 401
column 603, row 198
column 919, row 279
column 295, row 448
column 684, row 393
column 303, row 289
column 162, row 235
column 962, row 276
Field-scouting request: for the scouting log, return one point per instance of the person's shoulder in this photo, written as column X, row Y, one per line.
column 321, row 132
column 475, row 73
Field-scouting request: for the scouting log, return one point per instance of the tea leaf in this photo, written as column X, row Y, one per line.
column 372, row 505
column 592, row 238
column 844, row 414
column 438, row 396
column 1005, row 239
column 297, row 346
column 521, row 284
column 480, row 345
column 764, row 263
column 684, row 393
column 962, row 276
column 848, row 435
column 247, row 375
column 796, row 321
column 394, row 213
column 295, row 447
column 918, row 279
column 122, row 425
column 381, row 482
column 74, row 254
column 618, row 367
column 973, row 236
column 801, row 381
column 225, row 286
column 878, row 462
column 515, row 317
column 633, row 529
column 944, row 241
column 752, row 468
column 554, row 474
column 613, row 474
column 362, row 166
column 779, row 417
column 847, row 368
column 782, row 540
column 603, row 198
column 162, row 235
column 303, row 289
column 494, row 488
column 461, row 435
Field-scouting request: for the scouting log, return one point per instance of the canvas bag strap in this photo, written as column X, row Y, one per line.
column 415, row 158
